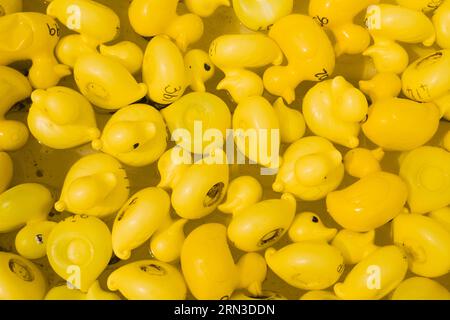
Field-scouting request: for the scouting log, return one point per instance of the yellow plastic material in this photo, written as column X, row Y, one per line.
column 96, row 185
column 10, row 6
column 252, row 270
column 205, row 8
column 167, row 242
column 32, row 36
column 319, row 295
column 106, row 83
column 148, row 280
column 126, row 52
column 375, row 276
column 31, row 241
column 7, row 170
column 361, row 162
column 317, row 168
column 155, row 17
column 308, row 50
column 426, row 242
column 308, row 226
column 199, row 69
column 382, row 86
column 79, row 249
column 369, row 203
column 354, row 246
column 20, row 279
column 95, row 292
column 307, row 265
column 61, row 118
column 441, row 23
column 421, row 5
column 135, row 135
column 292, row 122
column 417, row 288
column 442, row 216
column 334, row 110
column 235, row 53
column 14, row 87
column 338, row 16
column 261, row 15
column 264, row 296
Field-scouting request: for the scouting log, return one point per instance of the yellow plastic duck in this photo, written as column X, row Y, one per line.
column 426, row 242
column 354, row 246
column 256, row 225
column 7, row 170
column 96, row 185
column 95, row 292
column 167, row 242
column 198, row 188
column 426, row 171
column 338, row 16
column 390, row 23
column 31, row 240
column 319, row 295
column 10, row 6
column 205, row 8
column 199, row 69
column 235, row 53
column 32, row 36
column 155, row 17
column 441, row 24
column 79, row 249
column 126, row 52
column 308, row 50
column 374, row 277
column 14, row 87
column 425, row 6
column 361, row 162
column 20, row 279
column 368, row 203
column 307, row 265
column 292, row 123
column 334, row 110
column 261, row 15
column 442, row 216
column 61, row 118
column 106, row 83
column 252, row 269
column 418, row 288
column 308, row 226
column 382, row 86
column 148, row 280
column 136, row 135
column 311, row 169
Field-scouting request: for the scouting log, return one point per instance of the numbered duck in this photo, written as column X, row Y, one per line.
column 205, row 8
column 355, row 246
column 307, row 226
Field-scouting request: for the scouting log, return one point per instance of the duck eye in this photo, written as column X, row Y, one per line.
column 135, row 146
column 315, row 219
column 207, row 67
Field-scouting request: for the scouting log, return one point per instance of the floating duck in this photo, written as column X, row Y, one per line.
column 292, row 122
column 205, row 8
column 418, row 288
column 361, row 162
column 308, row 50
column 256, row 225
column 155, row 17
column 425, row 6
column 441, row 24
column 61, row 118
column 442, row 216
column 79, row 249
column 31, row 240
column 136, row 135
column 199, row 69
column 307, row 265
column 106, row 83
column 96, row 185
column 95, row 292
column 32, row 36
column 261, row 15
column 308, row 226
column 334, row 110
column 14, row 87
column 426, row 243
column 10, row 6
column 126, row 52
column 355, row 246
column 382, row 86
column 20, row 279
column 167, row 242
column 319, row 295
column 318, row 169
column 264, row 296
column 369, row 203
column 148, row 280
column 235, row 53
column 374, row 277
column 7, row 170
column 338, row 16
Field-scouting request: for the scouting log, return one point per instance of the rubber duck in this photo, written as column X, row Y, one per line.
column 389, row 24
column 318, row 169
column 167, row 242
column 7, row 170
column 319, row 295
column 261, row 15
column 426, row 172
column 334, row 109
column 127, row 53
column 425, row 6
column 20, row 279
column 308, row 226
column 374, row 277
column 382, row 86
column 79, row 249
column 292, row 122
column 264, row 296
column 155, row 17
column 148, row 280
column 95, row 185
column 14, row 87
column 256, row 225
column 441, row 24
column 135, row 135
column 106, row 83
column 442, row 216
column 307, row 265
column 31, row 240
column 164, row 71
column 205, row 8
column 338, row 16
column 199, row 69
column 197, row 189
column 355, row 246
column 308, row 50
column 369, row 203
column 194, row 118
column 252, row 269
column 256, row 131
column 32, row 36
column 235, row 53
column 418, row 288
column 95, row 292
column 61, row 118
column 10, row 6
column 426, row 243
column 361, row 162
